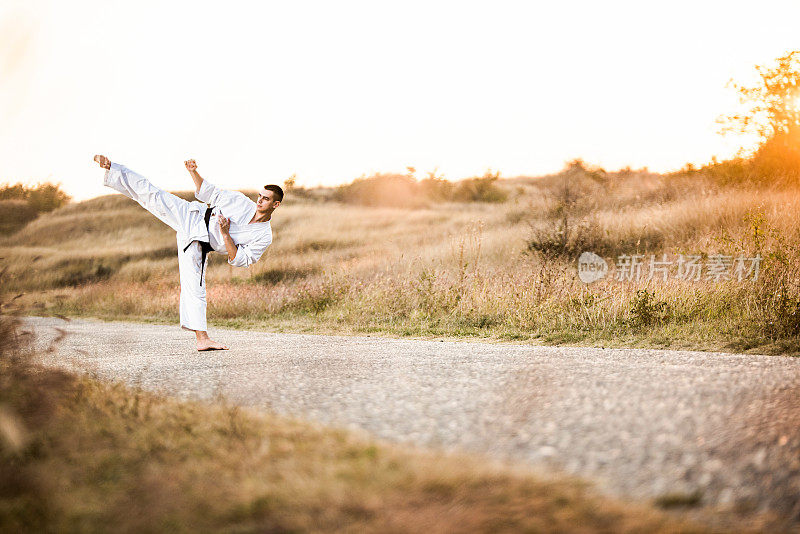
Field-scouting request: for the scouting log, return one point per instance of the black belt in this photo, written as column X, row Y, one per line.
column 205, row 246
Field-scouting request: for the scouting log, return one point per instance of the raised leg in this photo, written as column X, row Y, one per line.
column 183, row 217
column 173, row 211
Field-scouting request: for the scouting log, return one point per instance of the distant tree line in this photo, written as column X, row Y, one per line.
column 20, row 204
column 404, row 190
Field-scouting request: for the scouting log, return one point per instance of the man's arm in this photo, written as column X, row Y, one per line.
column 231, row 202
column 225, row 228
column 246, row 254
column 191, row 166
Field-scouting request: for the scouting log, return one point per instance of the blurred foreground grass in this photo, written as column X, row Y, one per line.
column 82, row 455
column 503, row 270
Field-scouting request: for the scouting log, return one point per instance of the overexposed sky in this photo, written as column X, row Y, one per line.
column 257, row 91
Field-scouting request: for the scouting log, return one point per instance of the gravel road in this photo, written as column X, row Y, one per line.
column 640, row 423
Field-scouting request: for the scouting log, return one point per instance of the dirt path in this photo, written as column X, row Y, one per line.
column 642, row 423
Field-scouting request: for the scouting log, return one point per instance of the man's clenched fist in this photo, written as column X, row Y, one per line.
column 191, row 165
column 103, row 161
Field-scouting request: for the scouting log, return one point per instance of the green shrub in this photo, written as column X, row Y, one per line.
column 647, row 310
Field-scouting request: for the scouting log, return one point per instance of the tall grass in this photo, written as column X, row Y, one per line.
column 14, row 214
column 504, row 270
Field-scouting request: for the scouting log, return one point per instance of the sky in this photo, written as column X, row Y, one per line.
column 330, row 91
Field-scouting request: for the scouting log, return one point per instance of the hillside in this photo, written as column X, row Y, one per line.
column 502, row 270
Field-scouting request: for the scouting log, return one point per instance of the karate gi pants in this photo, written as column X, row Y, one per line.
column 183, row 217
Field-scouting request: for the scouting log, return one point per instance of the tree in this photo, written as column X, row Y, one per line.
column 42, row 197
column 771, row 112
column 772, row 103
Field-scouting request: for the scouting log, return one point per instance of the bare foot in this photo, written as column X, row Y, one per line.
column 210, row 344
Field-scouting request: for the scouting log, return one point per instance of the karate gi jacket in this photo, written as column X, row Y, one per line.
column 251, row 239
column 187, row 218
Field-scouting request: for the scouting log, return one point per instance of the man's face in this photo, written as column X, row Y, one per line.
column 266, row 201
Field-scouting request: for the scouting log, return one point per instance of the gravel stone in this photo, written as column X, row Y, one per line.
column 640, row 423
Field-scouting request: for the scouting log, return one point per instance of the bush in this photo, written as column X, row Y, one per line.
column 778, row 157
column 480, row 189
column 567, row 239
column 772, row 164
column 42, row 197
column 47, row 197
column 393, row 190
column 646, row 309
column 436, row 188
column 404, row 191
column 573, row 198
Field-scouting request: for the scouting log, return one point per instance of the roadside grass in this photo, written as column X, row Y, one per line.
column 680, row 315
column 468, row 270
column 78, row 454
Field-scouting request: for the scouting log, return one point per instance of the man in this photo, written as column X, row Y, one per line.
column 232, row 225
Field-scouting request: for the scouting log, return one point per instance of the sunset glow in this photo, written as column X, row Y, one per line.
column 331, row 91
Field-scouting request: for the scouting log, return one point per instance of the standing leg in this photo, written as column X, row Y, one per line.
column 193, row 296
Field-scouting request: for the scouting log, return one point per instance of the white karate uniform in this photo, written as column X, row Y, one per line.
column 186, row 218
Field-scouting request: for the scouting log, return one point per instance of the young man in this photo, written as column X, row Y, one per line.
column 232, row 225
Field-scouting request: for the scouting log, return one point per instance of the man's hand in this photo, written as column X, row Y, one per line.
column 224, row 224
column 230, row 246
column 103, row 161
column 191, row 166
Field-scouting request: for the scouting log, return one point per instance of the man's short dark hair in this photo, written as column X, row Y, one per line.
column 275, row 189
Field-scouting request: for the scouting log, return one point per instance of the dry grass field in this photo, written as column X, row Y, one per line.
column 497, row 270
